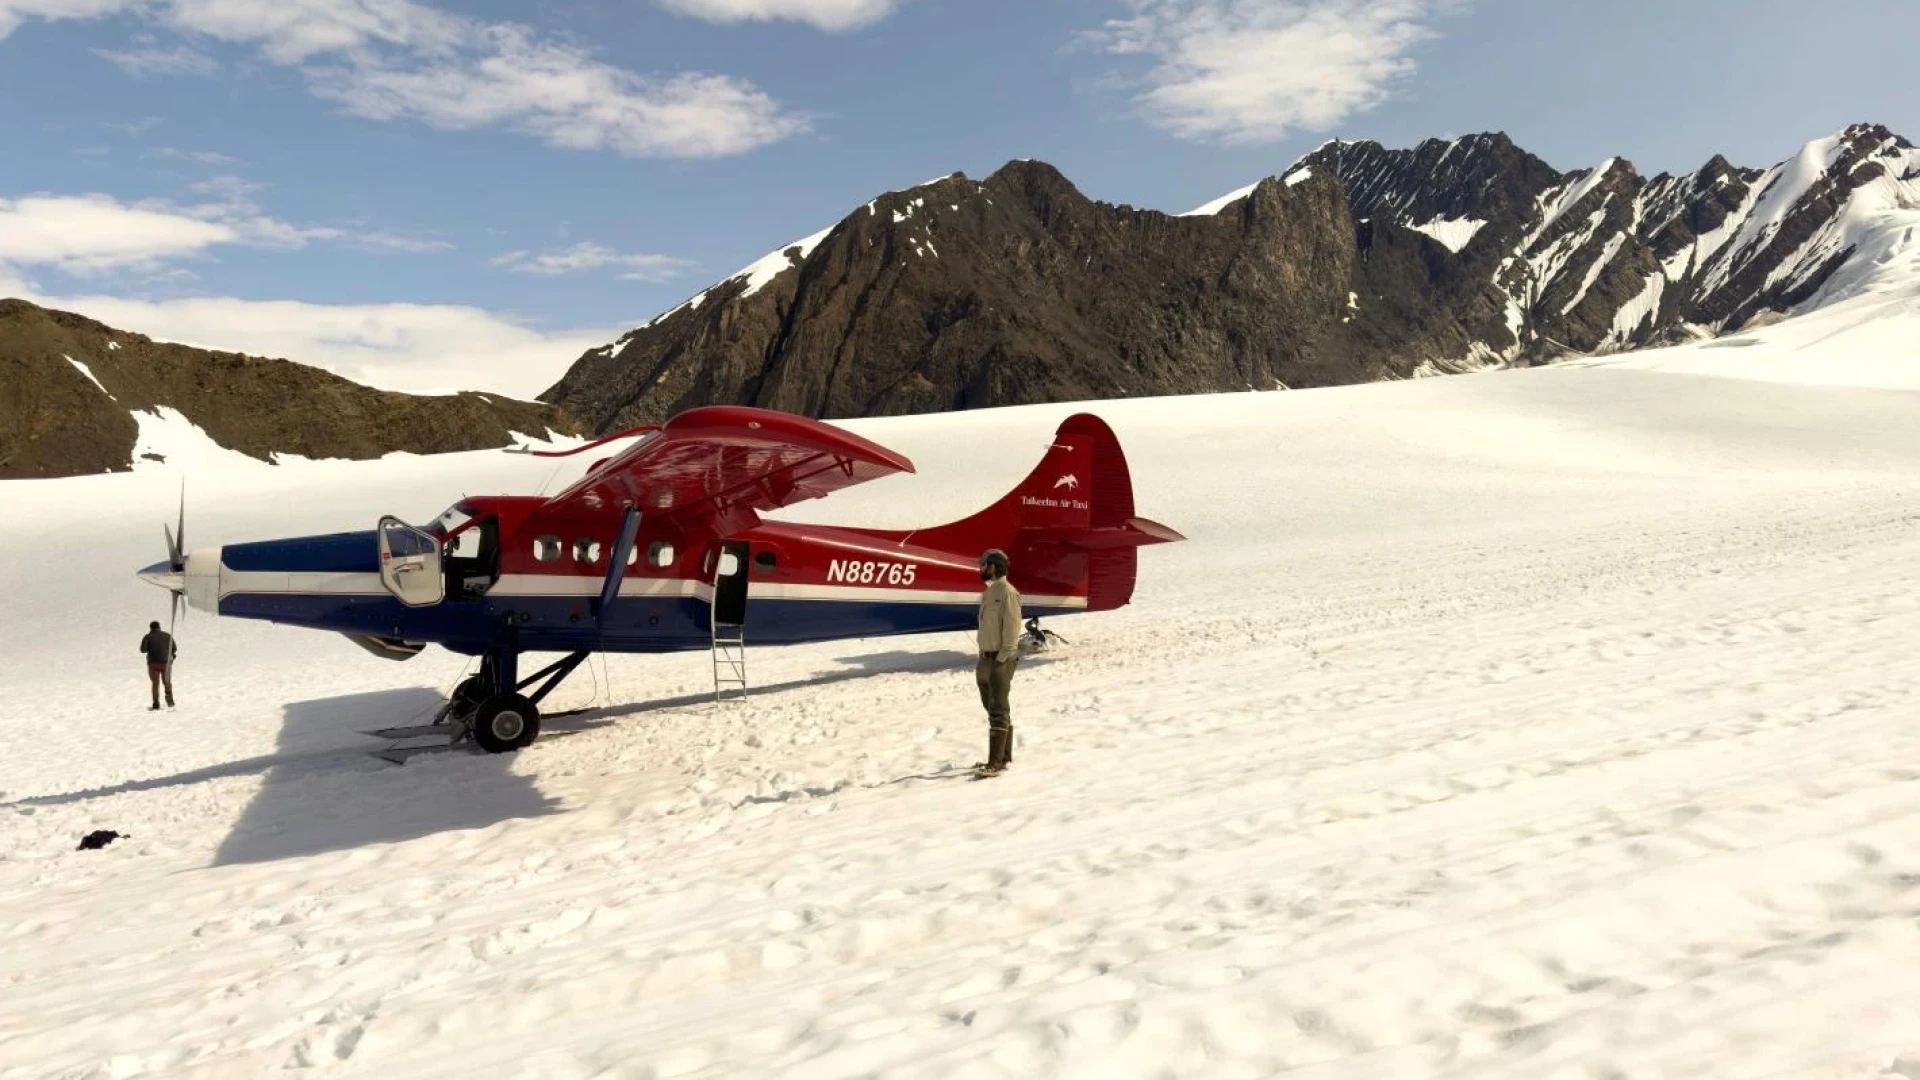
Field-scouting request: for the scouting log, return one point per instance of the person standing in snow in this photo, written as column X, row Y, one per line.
column 999, row 655
column 160, row 650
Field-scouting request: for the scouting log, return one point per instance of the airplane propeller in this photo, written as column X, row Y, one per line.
column 177, row 560
column 177, row 536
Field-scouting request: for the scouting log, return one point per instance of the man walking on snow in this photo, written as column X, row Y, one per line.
column 160, row 650
column 999, row 655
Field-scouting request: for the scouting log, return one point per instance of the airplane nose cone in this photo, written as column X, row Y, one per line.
column 164, row 575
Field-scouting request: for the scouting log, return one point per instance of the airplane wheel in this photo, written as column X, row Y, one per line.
column 468, row 695
column 505, row 722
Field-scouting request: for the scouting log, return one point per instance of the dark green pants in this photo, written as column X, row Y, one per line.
column 996, row 684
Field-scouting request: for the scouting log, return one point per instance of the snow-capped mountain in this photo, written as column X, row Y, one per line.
column 1356, row 263
column 1019, row 289
column 1603, row 259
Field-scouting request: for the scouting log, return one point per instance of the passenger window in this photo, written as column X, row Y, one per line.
column 586, row 551
column 660, row 555
column 766, row 562
column 547, row 549
column 729, row 564
column 633, row 554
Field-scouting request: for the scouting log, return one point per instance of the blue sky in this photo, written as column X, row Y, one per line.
column 468, row 194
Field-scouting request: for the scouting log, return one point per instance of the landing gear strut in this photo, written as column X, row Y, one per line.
column 490, row 708
column 1038, row 639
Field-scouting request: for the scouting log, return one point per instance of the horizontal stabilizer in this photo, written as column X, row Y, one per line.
column 1134, row 533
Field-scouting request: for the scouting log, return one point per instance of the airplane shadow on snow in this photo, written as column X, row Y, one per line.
column 320, row 793
column 896, row 662
column 309, row 803
column 313, row 802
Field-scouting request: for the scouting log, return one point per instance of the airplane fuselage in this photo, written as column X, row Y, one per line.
column 661, row 548
column 801, row 584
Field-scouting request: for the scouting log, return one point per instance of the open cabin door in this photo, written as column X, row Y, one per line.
column 472, row 558
column 410, row 564
column 730, row 584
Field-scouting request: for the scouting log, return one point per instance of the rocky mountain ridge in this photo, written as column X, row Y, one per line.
column 1602, row 259
column 1356, row 263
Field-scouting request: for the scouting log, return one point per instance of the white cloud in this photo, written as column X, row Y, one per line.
column 419, row 348
column 289, row 32
column 397, row 59
column 1246, row 71
column 825, row 14
column 411, row 245
column 230, row 202
column 15, row 12
column 134, row 129
column 229, row 188
column 590, row 256
column 204, row 157
column 82, row 234
column 561, row 95
column 179, row 60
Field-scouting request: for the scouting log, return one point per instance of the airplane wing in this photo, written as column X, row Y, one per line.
column 718, row 467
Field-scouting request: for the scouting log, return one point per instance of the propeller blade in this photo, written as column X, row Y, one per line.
column 177, row 536
column 174, row 611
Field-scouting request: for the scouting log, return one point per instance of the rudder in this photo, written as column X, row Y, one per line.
column 1069, row 528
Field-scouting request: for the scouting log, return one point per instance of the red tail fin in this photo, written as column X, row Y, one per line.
column 1069, row 528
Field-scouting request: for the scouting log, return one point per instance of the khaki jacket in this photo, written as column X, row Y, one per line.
column 1000, row 620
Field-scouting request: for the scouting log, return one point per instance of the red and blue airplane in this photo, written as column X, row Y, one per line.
column 661, row 546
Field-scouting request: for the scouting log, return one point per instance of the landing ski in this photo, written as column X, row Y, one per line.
column 418, row 731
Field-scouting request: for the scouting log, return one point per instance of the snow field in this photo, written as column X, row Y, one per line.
column 1533, row 724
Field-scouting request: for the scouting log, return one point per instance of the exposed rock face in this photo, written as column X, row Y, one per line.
column 1358, row 263
column 962, row 294
column 1601, row 259
column 59, row 420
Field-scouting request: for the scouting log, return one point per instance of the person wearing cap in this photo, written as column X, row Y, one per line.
column 999, row 655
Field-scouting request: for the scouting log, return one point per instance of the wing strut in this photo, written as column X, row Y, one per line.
column 617, row 561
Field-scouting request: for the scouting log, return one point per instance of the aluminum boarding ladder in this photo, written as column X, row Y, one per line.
column 729, row 661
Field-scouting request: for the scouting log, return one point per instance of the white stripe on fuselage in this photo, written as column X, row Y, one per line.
column 325, row 584
column 319, row 584
column 574, row 585
column 580, row 585
column 867, row 594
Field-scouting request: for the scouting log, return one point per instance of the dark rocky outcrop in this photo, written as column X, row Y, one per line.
column 1020, row 289
column 54, row 420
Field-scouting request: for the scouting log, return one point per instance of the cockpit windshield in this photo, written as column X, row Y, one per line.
column 450, row 522
column 465, row 542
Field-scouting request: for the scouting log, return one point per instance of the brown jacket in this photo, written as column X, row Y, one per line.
column 1000, row 620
